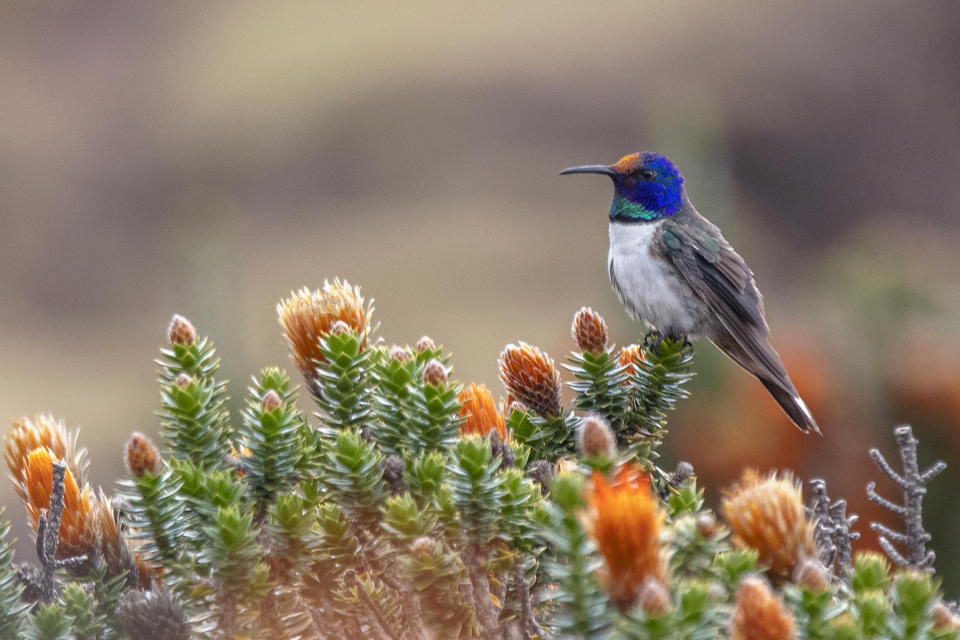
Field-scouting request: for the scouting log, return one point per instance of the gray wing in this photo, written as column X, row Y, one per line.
column 724, row 282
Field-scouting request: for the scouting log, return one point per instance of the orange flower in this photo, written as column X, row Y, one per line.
column 308, row 315
column 531, row 377
column 629, row 356
column 589, row 330
column 759, row 614
column 42, row 431
column 625, row 523
column 78, row 527
column 481, row 414
column 767, row 514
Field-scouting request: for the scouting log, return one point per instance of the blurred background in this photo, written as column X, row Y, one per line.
column 206, row 158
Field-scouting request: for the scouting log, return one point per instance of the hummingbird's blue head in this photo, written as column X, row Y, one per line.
column 647, row 186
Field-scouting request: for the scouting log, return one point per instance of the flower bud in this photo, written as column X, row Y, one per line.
column 435, row 373
column 182, row 331
column 531, row 377
column 399, row 353
column 595, row 438
column 183, row 380
column 270, row 401
column 589, row 331
column 142, row 455
column 653, row 597
column 426, row 343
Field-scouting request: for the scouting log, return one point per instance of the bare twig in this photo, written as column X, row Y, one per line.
column 912, row 483
column 832, row 529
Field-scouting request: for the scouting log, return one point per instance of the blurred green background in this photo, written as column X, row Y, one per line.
column 206, row 158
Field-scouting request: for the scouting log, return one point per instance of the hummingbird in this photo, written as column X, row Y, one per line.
column 673, row 270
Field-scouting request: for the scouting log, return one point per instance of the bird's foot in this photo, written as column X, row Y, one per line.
column 652, row 340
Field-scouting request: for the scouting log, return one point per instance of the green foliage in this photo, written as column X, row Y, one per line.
column 658, row 382
column 585, row 611
column 383, row 521
column 343, row 383
column 547, row 438
column 12, row 611
column 50, row 622
column 601, row 385
column 352, row 474
column 80, row 608
column 271, row 436
column 477, row 488
column 195, row 422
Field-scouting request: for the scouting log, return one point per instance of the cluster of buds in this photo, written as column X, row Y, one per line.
column 308, row 315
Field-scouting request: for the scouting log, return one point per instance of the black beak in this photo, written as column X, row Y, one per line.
column 590, row 168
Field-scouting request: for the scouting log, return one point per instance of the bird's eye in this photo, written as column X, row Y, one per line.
column 647, row 174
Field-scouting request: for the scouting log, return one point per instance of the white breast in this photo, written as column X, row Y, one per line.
column 646, row 285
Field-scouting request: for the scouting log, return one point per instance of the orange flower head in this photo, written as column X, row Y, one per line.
column 142, row 455
column 43, row 431
column 308, row 315
column 767, row 514
column 629, row 357
column 482, row 417
column 759, row 614
column 531, row 377
column 78, row 527
column 625, row 521
column 589, row 330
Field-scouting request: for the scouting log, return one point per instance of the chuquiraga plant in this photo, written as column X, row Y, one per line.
column 413, row 508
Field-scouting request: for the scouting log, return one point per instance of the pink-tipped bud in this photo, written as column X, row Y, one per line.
column 944, row 619
column 423, row 545
column 399, row 353
column 339, row 327
column 142, row 455
column 595, row 438
column 183, row 380
column 589, row 330
column 181, row 331
column 810, row 574
column 707, row 525
column 270, row 401
column 435, row 373
column 426, row 343
column 653, row 597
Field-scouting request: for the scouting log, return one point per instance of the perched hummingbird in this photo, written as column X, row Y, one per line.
column 673, row 270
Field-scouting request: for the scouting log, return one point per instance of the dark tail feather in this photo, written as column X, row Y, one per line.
column 790, row 402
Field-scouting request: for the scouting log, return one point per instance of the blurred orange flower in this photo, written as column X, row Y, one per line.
column 78, row 526
column 767, row 514
column 759, row 614
column 43, row 431
column 307, row 315
column 625, row 520
column 480, row 411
